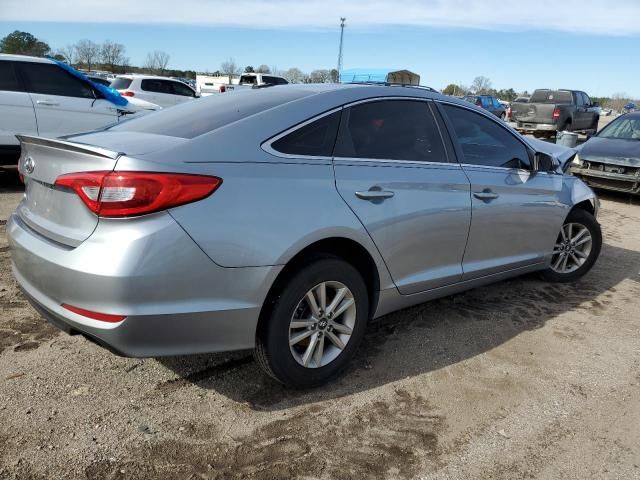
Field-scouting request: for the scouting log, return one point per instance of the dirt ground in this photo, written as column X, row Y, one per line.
column 518, row 380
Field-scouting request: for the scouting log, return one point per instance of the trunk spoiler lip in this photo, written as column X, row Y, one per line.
column 69, row 146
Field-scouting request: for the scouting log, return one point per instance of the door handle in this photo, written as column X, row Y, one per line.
column 375, row 194
column 486, row 195
column 47, row 102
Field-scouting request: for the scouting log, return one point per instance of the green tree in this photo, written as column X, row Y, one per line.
column 451, row 89
column 249, row 69
column 23, row 43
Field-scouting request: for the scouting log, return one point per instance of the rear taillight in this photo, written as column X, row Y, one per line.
column 556, row 114
column 223, row 88
column 127, row 93
column 128, row 194
column 103, row 317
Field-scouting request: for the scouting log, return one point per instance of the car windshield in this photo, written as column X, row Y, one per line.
column 121, row 83
column 622, row 128
column 551, row 96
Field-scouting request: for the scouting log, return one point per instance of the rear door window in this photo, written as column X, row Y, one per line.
column 157, row 86
column 485, row 142
column 390, row 130
column 314, row 139
column 8, row 78
column 121, row 83
column 49, row 79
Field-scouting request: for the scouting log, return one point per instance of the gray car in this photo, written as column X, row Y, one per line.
column 284, row 219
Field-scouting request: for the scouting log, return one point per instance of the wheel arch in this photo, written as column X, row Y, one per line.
column 341, row 247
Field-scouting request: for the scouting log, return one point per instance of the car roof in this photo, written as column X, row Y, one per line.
column 24, row 58
column 145, row 76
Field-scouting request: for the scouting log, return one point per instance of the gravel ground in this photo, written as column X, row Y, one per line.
column 521, row 379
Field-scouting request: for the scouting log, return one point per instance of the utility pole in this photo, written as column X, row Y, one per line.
column 342, row 22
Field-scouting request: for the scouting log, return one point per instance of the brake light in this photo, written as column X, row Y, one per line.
column 127, row 93
column 223, row 88
column 103, row 317
column 129, row 194
column 556, row 114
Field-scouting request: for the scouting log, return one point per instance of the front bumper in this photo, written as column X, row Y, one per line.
column 176, row 300
column 619, row 182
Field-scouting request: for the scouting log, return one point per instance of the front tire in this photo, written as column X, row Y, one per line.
column 576, row 249
column 315, row 324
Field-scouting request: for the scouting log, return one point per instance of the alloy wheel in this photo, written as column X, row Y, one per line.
column 322, row 324
column 572, row 248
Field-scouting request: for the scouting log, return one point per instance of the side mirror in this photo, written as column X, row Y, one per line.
column 595, row 104
column 544, row 163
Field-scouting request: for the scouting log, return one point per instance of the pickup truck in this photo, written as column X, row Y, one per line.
column 551, row 111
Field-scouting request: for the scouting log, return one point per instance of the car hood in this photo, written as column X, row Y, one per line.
column 611, row 150
column 561, row 153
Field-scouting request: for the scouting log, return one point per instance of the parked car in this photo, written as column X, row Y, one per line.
column 521, row 100
column 162, row 91
column 611, row 159
column 172, row 234
column 489, row 103
column 551, row 111
column 38, row 97
column 260, row 80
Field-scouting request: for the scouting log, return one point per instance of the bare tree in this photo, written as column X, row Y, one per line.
column 263, row 69
column 295, row 75
column 230, row 68
column 481, row 85
column 112, row 54
column 87, row 52
column 320, row 76
column 162, row 60
column 69, row 54
column 157, row 62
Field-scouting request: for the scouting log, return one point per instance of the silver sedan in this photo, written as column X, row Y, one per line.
column 284, row 219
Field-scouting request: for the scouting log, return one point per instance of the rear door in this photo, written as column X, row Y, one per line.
column 64, row 104
column 161, row 92
column 17, row 112
column 516, row 213
column 393, row 171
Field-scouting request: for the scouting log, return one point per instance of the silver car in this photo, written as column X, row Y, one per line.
column 284, row 219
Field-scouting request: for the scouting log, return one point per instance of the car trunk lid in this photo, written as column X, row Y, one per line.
column 56, row 213
column 533, row 112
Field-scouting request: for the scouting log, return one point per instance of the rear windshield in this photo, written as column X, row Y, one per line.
column 248, row 80
column 203, row 115
column 121, row 83
column 551, row 96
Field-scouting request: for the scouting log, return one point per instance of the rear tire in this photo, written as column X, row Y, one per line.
column 576, row 249
column 317, row 357
column 568, row 127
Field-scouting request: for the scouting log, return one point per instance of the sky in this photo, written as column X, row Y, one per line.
column 590, row 45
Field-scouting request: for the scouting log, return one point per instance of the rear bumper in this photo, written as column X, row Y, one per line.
column 608, row 181
column 175, row 299
column 536, row 127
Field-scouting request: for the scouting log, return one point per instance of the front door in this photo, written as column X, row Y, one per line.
column 64, row 104
column 516, row 213
column 392, row 170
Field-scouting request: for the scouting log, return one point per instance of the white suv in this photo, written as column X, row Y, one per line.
column 38, row 97
column 162, row 91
